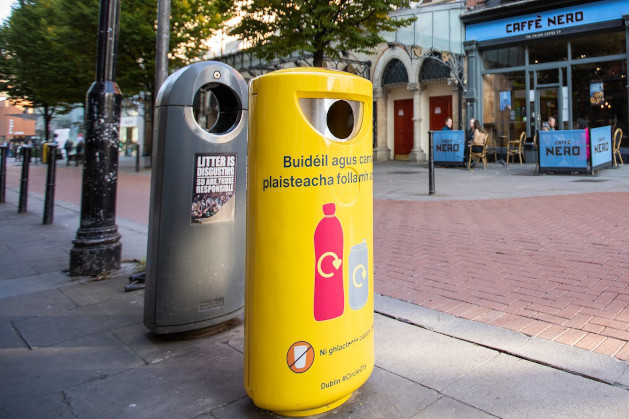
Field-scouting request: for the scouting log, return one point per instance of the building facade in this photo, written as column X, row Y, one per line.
column 17, row 123
column 531, row 60
column 417, row 76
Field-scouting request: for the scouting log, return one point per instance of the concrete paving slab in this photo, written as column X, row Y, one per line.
column 571, row 359
column 184, row 386
column 56, row 264
column 71, row 324
column 30, row 374
column 51, row 406
column 34, row 304
column 34, row 283
column 153, row 348
column 90, row 291
column 16, row 270
column 384, row 395
column 447, row 408
column 510, row 387
column 425, row 357
column 9, row 337
column 492, row 337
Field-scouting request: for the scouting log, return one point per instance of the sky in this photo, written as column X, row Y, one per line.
column 5, row 9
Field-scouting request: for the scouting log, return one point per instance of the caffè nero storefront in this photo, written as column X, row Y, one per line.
column 531, row 60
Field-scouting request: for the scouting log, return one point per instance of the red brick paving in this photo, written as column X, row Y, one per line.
column 553, row 267
column 556, row 267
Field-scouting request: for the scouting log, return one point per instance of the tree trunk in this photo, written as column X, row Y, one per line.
column 317, row 60
column 48, row 114
column 147, row 146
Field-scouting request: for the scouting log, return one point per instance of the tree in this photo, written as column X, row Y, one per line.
column 57, row 40
column 32, row 68
column 275, row 29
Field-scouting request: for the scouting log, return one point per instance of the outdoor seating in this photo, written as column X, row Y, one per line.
column 514, row 148
column 492, row 148
column 478, row 155
column 616, row 146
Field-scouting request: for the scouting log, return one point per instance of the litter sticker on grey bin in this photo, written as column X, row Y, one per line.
column 214, row 185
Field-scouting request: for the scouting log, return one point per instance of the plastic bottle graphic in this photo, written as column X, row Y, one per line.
column 358, row 276
column 329, row 296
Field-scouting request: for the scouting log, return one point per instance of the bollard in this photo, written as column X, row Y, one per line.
column 309, row 286
column 26, row 160
column 49, row 201
column 3, row 172
column 431, row 166
column 137, row 157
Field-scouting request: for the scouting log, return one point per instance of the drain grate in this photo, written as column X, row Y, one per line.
column 591, row 180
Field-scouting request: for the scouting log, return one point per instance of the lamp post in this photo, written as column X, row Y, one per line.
column 97, row 247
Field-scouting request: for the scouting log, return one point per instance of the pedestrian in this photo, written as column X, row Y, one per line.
column 68, row 146
column 80, row 147
column 448, row 125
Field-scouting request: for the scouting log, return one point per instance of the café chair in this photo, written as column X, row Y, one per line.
column 492, row 149
column 514, row 148
column 478, row 155
column 616, row 147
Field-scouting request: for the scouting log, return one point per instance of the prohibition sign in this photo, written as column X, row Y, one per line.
column 300, row 356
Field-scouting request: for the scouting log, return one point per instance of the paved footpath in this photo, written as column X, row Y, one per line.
column 481, row 289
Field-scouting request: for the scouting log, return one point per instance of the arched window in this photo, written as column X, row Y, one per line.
column 394, row 74
column 433, row 70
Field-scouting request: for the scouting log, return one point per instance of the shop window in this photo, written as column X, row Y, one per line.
column 504, row 106
column 599, row 94
column 503, row 57
column 548, row 52
column 599, row 44
column 395, row 74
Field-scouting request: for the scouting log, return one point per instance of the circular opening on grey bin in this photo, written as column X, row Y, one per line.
column 216, row 108
column 340, row 119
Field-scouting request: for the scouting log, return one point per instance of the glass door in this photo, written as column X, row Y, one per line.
column 547, row 105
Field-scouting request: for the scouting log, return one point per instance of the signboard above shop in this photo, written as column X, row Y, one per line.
column 576, row 18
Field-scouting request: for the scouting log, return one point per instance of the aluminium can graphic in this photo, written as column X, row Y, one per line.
column 358, row 275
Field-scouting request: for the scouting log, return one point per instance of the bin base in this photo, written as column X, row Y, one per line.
column 316, row 410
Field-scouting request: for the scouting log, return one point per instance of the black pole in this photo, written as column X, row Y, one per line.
column 97, row 247
column 137, row 157
column 26, row 160
column 431, row 166
column 49, row 200
column 3, row 172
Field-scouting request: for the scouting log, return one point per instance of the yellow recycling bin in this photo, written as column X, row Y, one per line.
column 309, row 281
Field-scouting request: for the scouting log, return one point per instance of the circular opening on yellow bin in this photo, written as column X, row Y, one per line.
column 340, row 119
column 216, row 108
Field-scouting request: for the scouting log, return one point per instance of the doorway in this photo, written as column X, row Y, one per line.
column 403, row 129
column 440, row 109
column 546, row 104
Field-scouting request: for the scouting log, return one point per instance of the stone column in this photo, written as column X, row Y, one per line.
column 417, row 153
column 381, row 152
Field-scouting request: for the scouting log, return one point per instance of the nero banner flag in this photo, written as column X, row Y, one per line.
column 563, row 150
column 213, row 189
column 448, row 146
column 601, row 143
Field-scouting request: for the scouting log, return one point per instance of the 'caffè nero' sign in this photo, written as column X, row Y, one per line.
column 549, row 23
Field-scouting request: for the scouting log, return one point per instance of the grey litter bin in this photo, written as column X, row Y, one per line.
column 196, row 243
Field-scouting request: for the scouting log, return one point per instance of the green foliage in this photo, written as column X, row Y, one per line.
column 275, row 28
column 48, row 48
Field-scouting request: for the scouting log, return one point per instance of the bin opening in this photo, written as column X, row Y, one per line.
column 341, row 119
column 216, row 108
column 336, row 119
